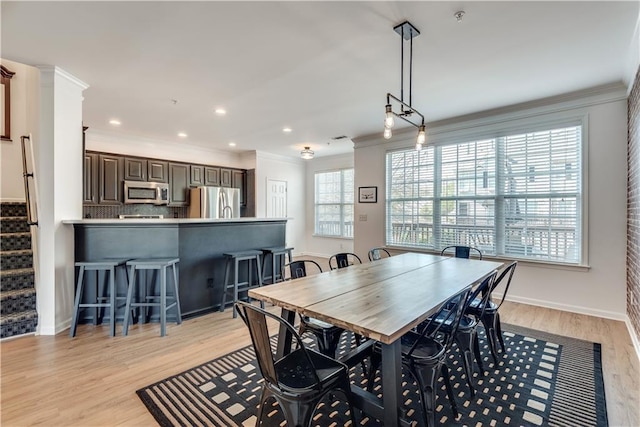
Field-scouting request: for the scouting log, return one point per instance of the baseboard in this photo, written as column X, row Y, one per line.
column 314, row 254
column 566, row 307
column 11, row 200
column 634, row 338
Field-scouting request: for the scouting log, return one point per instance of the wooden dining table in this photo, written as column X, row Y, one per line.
column 381, row 300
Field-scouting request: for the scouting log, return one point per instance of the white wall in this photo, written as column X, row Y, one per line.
column 316, row 245
column 633, row 57
column 269, row 166
column 24, row 89
column 598, row 290
column 59, row 159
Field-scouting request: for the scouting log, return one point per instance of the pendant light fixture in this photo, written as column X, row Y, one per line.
column 404, row 110
column 307, row 153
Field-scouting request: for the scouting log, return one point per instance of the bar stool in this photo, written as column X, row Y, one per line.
column 278, row 256
column 160, row 265
column 109, row 267
column 233, row 261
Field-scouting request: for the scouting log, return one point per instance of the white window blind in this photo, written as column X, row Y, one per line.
column 517, row 195
column 334, row 203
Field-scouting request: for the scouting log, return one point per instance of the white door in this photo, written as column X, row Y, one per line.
column 276, row 198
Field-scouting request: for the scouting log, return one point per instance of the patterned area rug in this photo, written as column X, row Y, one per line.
column 542, row 379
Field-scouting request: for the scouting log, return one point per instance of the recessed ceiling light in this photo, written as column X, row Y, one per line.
column 221, row 111
column 286, row 130
column 182, row 135
column 114, row 122
column 232, row 144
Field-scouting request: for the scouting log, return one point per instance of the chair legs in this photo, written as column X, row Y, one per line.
column 464, row 339
column 489, row 321
column 299, row 412
column 498, row 329
column 427, row 378
column 476, row 350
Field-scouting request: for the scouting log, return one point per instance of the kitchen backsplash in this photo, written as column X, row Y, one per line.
column 112, row 211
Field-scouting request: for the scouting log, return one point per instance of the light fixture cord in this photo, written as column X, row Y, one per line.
column 402, row 68
column 410, row 65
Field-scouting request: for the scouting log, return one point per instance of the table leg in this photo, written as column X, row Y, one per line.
column 391, row 382
column 284, row 337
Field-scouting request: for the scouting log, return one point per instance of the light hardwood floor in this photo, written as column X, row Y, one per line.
column 91, row 380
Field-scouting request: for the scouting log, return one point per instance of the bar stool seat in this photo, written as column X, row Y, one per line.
column 278, row 256
column 109, row 267
column 160, row 265
column 234, row 260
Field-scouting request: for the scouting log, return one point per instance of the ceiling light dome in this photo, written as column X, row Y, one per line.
column 307, row 153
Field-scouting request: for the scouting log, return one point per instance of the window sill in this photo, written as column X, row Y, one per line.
column 521, row 261
column 332, row 237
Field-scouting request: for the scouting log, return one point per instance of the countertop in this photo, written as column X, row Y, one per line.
column 116, row 221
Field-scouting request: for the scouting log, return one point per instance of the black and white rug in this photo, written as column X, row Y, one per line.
column 541, row 380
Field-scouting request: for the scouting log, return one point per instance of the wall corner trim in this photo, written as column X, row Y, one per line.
column 635, row 340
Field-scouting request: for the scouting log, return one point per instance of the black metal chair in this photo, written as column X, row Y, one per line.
column 462, row 251
column 489, row 315
column 378, row 253
column 343, row 259
column 424, row 355
column 298, row 268
column 299, row 380
column 466, row 334
column 327, row 335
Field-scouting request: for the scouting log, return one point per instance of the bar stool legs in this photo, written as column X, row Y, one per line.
column 233, row 261
column 109, row 268
column 278, row 256
column 160, row 266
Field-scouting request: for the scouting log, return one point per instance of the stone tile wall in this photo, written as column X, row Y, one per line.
column 633, row 207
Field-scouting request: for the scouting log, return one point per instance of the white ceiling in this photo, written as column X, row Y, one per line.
column 321, row 68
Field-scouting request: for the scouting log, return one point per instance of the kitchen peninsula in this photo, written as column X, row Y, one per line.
column 199, row 243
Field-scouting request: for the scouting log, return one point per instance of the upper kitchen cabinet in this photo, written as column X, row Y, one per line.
column 238, row 181
column 226, row 179
column 110, row 179
column 178, row 184
column 157, row 171
column 135, row 169
column 196, row 178
column 211, row 176
column 90, row 181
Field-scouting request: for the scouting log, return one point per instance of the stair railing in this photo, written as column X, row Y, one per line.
column 32, row 216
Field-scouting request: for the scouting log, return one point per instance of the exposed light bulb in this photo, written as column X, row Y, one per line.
column 388, row 119
column 422, row 136
column 418, row 146
column 387, row 133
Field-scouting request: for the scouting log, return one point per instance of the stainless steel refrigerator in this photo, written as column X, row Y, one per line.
column 214, row 202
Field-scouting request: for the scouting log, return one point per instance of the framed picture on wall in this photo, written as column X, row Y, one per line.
column 368, row 194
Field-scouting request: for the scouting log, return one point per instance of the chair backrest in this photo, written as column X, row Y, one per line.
column 482, row 292
column 505, row 274
column 378, row 253
column 256, row 320
column 462, row 251
column 299, row 268
column 343, row 259
column 449, row 313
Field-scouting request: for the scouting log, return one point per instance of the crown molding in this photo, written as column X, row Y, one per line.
column 50, row 69
column 597, row 95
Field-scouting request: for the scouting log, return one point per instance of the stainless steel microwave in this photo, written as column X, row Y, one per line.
column 156, row 193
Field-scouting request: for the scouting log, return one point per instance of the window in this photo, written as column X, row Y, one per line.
column 334, row 203
column 517, row 195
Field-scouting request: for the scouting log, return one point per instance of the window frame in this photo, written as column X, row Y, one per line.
column 495, row 129
column 342, row 204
